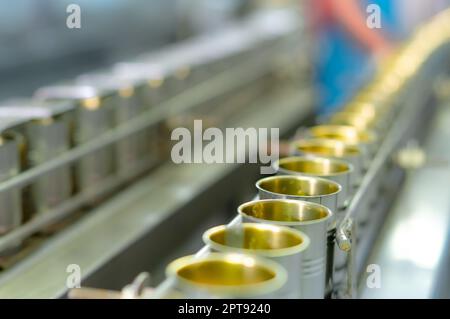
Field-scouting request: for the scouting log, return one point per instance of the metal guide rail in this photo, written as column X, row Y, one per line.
column 86, row 132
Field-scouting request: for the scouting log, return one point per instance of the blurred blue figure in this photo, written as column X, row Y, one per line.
column 347, row 47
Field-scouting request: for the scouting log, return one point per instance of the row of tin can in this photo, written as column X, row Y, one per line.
column 70, row 114
column 283, row 246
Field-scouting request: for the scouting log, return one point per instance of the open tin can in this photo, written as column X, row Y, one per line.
column 281, row 244
column 313, row 220
column 366, row 140
column 44, row 129
column 226, row 275
column 10, row 201
column 92, row 116
column 139, row 146
column 333, row 149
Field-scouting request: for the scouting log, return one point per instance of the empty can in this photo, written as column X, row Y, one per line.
column 336, row 170
column 92, row 116
column 333, row 149
column 227, row 275
column 150, row 81
column 44, row 128
column 10, row 200
column 359, row 121
column 311, row 189
column 366, row 140
column 310, row 218
column 333, row 169
column 281, row 244
column 139, row 146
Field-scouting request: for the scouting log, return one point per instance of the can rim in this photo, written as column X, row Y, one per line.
column 370, row 135
column 286, row 223
column 298, row 177
column 247, row 290
column 357, row 150
column 276, row 252
column 277, row 167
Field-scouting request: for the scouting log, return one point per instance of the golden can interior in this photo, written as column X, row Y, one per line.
column 327, row 148
column 255, row 237
column 298, row 186
column 284, row 210
column 233, row 270
column 351, row 118
column 344, row 133
column 314, row 166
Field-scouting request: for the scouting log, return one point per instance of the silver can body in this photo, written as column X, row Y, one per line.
column 10, row 200
column 45, row 141
column 90, row 124
column 289, row 257
column 357, row 163
column 313, row 262
column 315, row 281
column 136, row 148
column 316, row 264
column 343, row 178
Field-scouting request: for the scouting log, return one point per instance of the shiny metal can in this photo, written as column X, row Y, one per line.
column 226, row 275
column 281, row 244
column 311, row 189
column 152, row 86
column 336, row 170
column 138, row 147
column 10, row 201
column 45, row 132
column 333, row 149
column 310, row 218
column 92, row 116
column 365, row 139
column 150, row 80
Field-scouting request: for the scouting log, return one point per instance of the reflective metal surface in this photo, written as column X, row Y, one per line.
column 281, row 244
column 333, row 169
column 334, row 149
column 227, row 276
column 312, row 219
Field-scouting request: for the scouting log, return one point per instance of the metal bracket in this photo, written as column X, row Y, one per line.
column 346, row 240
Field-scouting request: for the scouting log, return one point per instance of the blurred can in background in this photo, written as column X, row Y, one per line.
column 92, row 116
column 10, row 200
column 138, row 147
column 45, row 131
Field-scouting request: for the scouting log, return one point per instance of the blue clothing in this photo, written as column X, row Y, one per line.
column 343, row 66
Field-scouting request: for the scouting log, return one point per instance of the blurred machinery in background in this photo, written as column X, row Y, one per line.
column 86, row 177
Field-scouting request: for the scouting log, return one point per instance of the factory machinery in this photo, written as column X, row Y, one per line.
column 88, row 184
